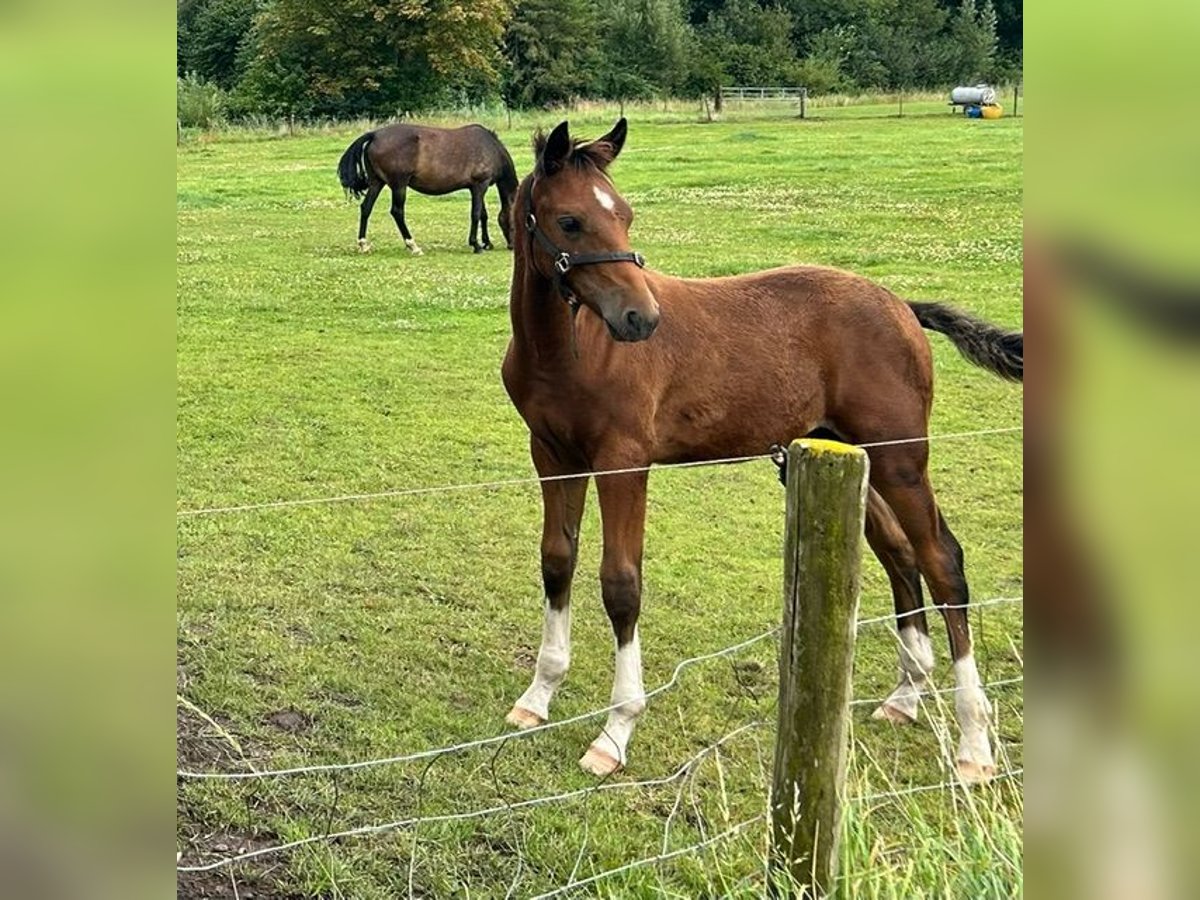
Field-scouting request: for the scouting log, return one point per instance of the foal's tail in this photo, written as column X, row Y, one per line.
column 998, row 351
column 352, row 169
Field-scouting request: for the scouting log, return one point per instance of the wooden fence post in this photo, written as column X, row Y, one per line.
column 826, row 507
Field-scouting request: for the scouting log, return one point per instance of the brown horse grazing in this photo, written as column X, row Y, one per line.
column 432, row 161
column 658, row 369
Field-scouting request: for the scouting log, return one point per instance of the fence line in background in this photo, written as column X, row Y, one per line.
column 513, row 482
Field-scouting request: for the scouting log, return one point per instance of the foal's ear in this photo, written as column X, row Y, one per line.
column 557, row 150
column 610, row 145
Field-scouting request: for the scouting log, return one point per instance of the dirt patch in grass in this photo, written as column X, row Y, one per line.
column 292, row 721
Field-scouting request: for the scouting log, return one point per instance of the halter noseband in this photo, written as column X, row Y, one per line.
column 564, row 262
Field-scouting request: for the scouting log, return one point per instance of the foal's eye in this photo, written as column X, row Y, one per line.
column 570, row 225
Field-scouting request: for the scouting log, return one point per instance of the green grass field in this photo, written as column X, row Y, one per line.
column 354, row 630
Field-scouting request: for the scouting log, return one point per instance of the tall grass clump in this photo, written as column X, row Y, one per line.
column 199, row 103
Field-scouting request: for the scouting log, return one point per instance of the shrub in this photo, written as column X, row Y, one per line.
column 198, row 103
column 819, row 74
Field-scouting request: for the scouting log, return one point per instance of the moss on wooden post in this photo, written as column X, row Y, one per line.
column 826, row 507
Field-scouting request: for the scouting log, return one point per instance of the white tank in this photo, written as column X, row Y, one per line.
column 981, row 94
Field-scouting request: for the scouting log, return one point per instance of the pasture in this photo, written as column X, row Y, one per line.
column 363, row 629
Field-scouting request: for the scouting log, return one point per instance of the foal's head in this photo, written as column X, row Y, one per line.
column 579, row 210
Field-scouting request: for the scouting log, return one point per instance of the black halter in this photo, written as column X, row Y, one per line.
column 564, row 262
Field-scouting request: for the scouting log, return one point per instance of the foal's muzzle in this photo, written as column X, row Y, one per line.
column 633, row 325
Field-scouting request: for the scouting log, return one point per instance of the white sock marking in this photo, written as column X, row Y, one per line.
column 627, row 691
column 554, row 658
column 973, row 712
column 604, row 197
column 916, row 662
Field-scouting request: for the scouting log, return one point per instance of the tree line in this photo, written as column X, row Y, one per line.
column 385, row 58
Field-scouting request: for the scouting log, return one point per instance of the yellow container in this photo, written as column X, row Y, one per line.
column 992, row 112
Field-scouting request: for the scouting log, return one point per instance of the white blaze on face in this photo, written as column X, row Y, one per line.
column 604, row 198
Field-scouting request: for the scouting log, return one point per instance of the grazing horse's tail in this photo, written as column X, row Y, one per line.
column 997, row 350
column 352, row 169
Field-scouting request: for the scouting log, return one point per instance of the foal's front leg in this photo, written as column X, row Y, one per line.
column 623, row 511
column 563, row 502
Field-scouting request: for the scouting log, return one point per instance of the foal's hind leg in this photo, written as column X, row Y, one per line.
column 399, row 190
column 368, row 204
column 896, row 554
column 900, row 475
column 563, row 509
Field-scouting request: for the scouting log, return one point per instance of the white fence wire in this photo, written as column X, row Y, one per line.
column 513, row 482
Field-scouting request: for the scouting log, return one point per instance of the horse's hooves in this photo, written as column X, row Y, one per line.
column 886, row 713
column 413, row 248
column 487, row 246
column 599, row 763
column 974, row 773
column 364, row 247
column 478, row 249
column 523, row 718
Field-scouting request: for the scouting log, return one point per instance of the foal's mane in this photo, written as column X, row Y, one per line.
column 594, row 155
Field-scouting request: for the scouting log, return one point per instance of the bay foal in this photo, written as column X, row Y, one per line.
column 656, row 369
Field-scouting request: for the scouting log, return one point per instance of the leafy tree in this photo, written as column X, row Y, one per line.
column 553, row 55
column 647, row 49
column 753, row 43
column 821, row 69
column 972, row 41
column 812, row 18
column 906, row 38
column 376, row 57
column 210, row 35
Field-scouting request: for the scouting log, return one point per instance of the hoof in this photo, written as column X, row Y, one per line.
column 413, row 248
column 886, row 713
column 364, row 247
column 974, row 773
column 599, row 763
column 477, row 249
column 523, row 718
column 487, row 246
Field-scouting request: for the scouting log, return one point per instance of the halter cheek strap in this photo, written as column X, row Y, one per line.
column 564, row 262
